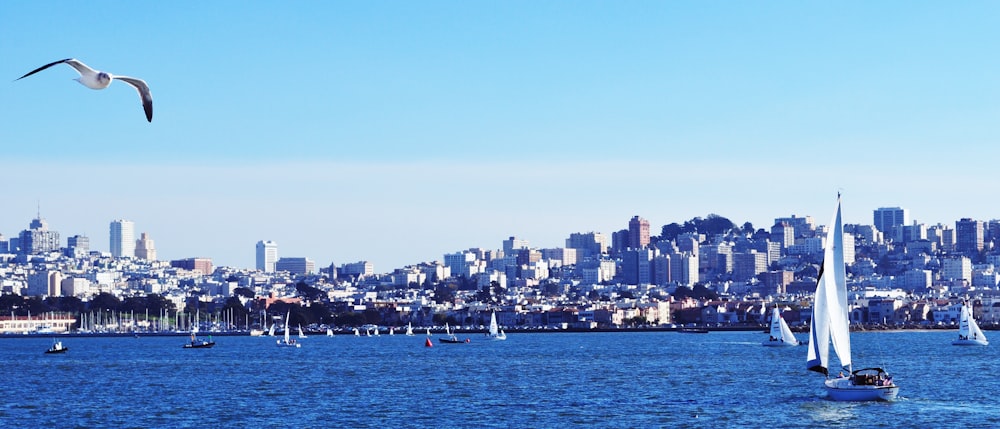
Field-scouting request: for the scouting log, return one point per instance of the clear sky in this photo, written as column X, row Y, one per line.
column 398, row 131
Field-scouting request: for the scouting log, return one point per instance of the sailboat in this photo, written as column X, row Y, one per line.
column 329, row 332
column 270, row 331
column 830, row 322
column 969, row 333
column 288, row 342
column 449, row 338
column 409, row 329
column 780, row 335
column 302, row 334
column 495, row 332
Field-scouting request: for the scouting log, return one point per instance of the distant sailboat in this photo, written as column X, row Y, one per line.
column 356, row 333
column 449, row 337
column 288, row 342
column 780, row 335
column 830, row 322
column 270, row 332
column 329, row 332
column 969, row 333
column 302, row 334
column 409, row 329
column 495, row 332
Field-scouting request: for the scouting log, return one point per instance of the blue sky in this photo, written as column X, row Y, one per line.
column 399, row 131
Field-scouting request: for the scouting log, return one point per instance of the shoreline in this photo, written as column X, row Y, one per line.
column 539, row 330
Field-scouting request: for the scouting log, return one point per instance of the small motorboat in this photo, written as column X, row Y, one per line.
column 57, row 347
column 198, row 343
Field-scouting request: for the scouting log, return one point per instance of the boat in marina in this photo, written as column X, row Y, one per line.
column 288, row 342
column 495, row 332
column 830, row 323
column 780, row 335
column 969, row 333
column 57, row 347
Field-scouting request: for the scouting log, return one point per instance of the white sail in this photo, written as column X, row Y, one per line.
column 829, row 318
column 495, row 332
column 969, row 332
column 974, row 328
column 494, row 328
column 780, row 334
column 409, row 329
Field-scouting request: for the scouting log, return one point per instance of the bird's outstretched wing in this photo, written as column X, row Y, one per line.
column 50, row 65
column 144, row 94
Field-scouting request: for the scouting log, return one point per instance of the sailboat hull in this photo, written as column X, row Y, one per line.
column 970, row 343
column 843, row 389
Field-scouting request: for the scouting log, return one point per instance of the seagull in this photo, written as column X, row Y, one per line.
column 94, row 79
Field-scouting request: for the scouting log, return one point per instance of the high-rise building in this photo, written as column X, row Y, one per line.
column 144, row 248
column 267, row 255
column 638, row 233
column 122, row 238
column 38, row 239
column 591, row 244
column 77, row 246
column 513, row 244
column 969, row 235
column 887, row 217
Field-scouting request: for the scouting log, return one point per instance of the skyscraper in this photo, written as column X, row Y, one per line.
column 38, row 239
column 122, row 238
column 638, row 233
column 267, row 255
column 969, row 235
column 887, row 217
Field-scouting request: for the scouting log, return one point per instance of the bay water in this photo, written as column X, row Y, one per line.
column 627, row 379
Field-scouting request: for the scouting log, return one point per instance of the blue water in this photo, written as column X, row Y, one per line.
column 663, row 379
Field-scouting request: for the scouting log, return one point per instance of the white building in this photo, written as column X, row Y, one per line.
column 267, row 255
column 122, row 238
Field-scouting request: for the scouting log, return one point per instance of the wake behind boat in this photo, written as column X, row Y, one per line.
column 969, row 333
column 830, row 323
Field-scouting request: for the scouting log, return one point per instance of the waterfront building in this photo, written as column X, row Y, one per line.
column 122, row 238
column 144, row 248
column 267, row 255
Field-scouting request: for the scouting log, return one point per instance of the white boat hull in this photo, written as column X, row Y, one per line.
column 970, row 343
column 842, row 389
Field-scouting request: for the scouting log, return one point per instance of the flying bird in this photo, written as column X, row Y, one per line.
column 94, row 79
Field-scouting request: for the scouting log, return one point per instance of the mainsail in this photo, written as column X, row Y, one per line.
column 829, row 312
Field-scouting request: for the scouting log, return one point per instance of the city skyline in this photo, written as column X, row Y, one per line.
column 398, row 132
column 267, row 252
